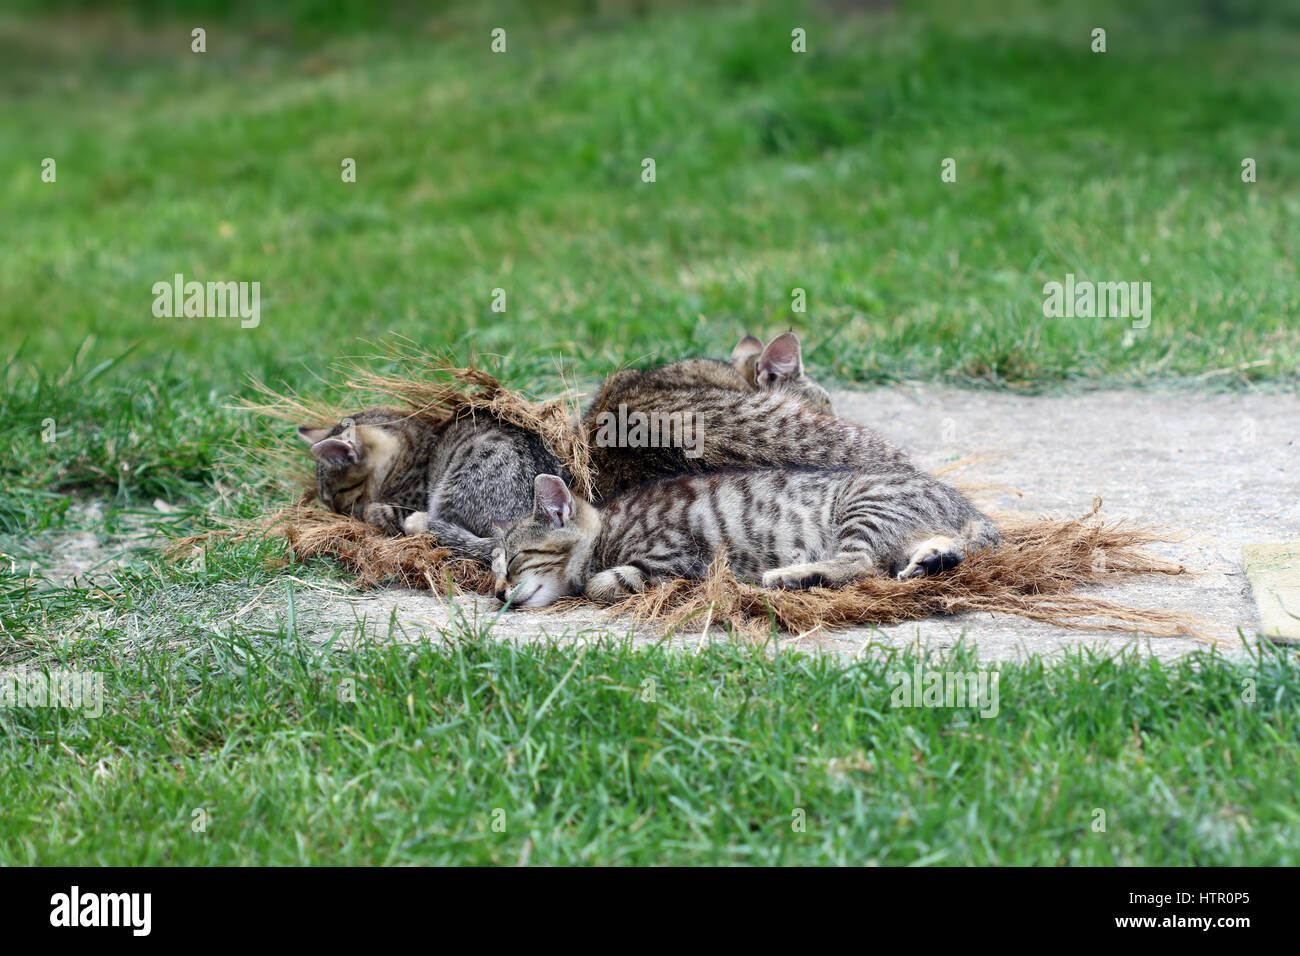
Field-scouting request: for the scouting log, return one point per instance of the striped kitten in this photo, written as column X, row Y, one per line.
column 401, row 475
column 759, row 410
column 783, row 528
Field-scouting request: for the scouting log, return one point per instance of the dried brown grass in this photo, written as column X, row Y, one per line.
column 378, row 560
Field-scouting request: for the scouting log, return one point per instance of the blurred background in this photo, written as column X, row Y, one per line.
column 522, row 171
column 775, row 170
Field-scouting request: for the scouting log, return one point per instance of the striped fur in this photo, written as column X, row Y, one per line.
column 403, row 476
column 787, row 528
column 742, row 419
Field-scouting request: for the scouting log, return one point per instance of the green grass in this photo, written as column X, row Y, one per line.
column 522, row 172
column 775, row 170
column 490, row 753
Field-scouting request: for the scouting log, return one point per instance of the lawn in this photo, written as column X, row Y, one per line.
column 523, row 172
column 257, row 748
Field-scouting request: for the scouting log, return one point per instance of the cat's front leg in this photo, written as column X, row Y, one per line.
column 458, row 539
column 385, row 518
column 417, row 522
column 615, row 584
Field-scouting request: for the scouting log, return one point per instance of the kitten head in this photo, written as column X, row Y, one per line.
column 778, row 367
column 354, row 457
column 533, row 560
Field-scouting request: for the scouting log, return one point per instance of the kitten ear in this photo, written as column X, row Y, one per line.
column 748, row 346
column 336, row 451
column 312, row 435
column 552, row 499
column 781, row 361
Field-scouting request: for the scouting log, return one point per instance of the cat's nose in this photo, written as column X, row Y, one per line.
column 501, row 595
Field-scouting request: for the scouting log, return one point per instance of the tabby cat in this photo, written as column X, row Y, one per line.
column 783, row 528
column 760, row 410
column 401, row 475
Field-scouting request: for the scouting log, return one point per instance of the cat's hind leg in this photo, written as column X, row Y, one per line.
column 833, row 572
column 932, row 556
column 939, row 553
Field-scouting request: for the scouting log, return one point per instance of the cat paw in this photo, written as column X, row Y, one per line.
column 613, row 585
column 794, row 578
column 932, row 556
column 383, row 517
column 417, row 522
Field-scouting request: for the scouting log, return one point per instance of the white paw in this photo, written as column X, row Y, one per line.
column 931, row 557
column 794, row 578
column 417, row 522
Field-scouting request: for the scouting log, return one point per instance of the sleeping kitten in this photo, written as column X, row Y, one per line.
column 758, row 411
column 401, row 475
column 785, row 528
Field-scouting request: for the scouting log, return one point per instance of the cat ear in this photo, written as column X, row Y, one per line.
column 781, row 361
column 748, row 346
column 552, row 499
column 336, row 451
column 312, row 435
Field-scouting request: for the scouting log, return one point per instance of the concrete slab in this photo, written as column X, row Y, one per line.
column 1274, row 572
